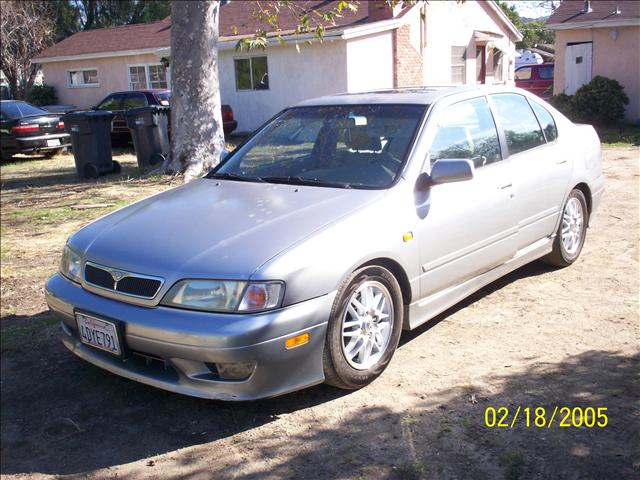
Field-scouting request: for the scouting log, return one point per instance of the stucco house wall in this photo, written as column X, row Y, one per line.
column 113, row 75
column 614, row 55
column 317, row 69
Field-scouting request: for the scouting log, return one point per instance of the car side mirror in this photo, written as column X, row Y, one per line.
column 446, row 171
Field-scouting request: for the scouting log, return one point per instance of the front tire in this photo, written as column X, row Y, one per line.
column 364, row 328
column 571, row 233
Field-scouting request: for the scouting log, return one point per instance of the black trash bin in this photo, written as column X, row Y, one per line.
column 149, row 128
column 91, row 142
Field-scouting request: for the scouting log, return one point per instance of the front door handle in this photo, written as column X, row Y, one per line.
column 560, row 162
column 508, row 185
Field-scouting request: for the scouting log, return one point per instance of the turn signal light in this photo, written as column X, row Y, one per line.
column 296, row 341
column 61, row 124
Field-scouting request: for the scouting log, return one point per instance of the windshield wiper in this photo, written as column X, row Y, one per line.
column 235, row 176
column 297, row 180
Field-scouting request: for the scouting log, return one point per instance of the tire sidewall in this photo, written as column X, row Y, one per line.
column 569, row 259
column 348, row 375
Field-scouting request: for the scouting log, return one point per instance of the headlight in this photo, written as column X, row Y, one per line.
column 224, row 295
column 70, row 264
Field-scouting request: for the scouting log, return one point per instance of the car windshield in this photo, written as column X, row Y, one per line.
column 19, row 109
column 350, row 146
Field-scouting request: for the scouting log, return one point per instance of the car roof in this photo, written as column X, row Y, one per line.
column 143, row 90
column 409, row 95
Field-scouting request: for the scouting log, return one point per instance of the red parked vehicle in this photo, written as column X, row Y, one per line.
column 536, row 79
column 120, row 102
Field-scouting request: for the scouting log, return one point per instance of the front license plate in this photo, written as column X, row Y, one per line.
column 53, row 143
column 98, row 333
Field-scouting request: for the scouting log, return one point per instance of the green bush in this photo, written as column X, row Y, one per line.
column 600, row 102
column 564, row 103
column 43, row 95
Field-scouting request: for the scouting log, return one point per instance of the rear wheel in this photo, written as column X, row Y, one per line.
column 571, row 233
column 5, row 156
column 364, row 328
column 117, row 168
column 91, row 171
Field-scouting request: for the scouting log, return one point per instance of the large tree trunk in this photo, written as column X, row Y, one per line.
column 197, row 138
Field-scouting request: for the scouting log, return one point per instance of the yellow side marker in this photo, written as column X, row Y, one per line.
column 407, row 237
column 296, row 341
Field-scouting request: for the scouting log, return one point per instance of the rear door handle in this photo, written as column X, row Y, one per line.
column 508, row 185
column 560, row 162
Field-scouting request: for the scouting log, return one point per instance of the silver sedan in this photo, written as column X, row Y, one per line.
column 303, row 255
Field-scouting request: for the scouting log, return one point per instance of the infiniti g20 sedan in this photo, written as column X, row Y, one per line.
column 302, row 256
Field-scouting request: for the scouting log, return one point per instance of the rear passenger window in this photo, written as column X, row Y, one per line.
column 467, row 130
column 546, row 121
column 134, row 100
column 112, row 102
column 518, row 121
column 546, row 73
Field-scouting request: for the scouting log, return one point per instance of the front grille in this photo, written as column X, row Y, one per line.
column 128, row 283
column 141, row 287
column 98, row 277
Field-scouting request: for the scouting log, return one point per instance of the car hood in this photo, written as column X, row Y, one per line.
column 213, row 228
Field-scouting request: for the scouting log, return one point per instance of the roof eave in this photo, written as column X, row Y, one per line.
column 90, row 56
column 503, row 16
column 624, row 22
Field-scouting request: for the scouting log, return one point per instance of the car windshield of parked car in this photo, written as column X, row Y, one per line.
column 19, row 109
column 349, row 146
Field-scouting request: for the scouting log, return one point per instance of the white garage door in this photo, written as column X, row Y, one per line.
column 577, row 66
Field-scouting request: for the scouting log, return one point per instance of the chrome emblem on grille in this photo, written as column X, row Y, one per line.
column 117, row 275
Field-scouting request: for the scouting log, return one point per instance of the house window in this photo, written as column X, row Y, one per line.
column 147, row 76
column 157, row 76
column 458, row 65
column 252, row 73
column 83, row 78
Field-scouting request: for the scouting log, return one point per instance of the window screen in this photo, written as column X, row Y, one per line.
column 458, row 65
column 252, row 73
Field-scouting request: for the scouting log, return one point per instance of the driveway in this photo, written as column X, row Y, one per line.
column 540, row 337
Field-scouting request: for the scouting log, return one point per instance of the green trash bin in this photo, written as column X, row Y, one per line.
column 91, row 142
column 149, row 129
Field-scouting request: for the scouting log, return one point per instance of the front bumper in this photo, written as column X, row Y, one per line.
column 186, row 341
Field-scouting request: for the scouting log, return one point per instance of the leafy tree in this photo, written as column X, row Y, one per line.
column 75, row 15
column 533, row 33
column 27, row 28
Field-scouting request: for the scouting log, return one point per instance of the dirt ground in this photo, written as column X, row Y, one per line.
column 537, row 338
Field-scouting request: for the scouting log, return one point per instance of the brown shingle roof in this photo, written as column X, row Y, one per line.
column 571, row 11
column 158, row 34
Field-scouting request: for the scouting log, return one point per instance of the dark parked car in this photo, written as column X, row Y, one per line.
column 61, row 108
column 25, row 128
column 119, row 102
column 537, row 79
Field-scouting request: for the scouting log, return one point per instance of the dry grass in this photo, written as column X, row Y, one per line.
column 43, row 202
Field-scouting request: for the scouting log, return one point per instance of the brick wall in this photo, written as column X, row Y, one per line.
column 408, row 63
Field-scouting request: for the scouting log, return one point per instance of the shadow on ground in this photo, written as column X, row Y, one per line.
column 61, row 415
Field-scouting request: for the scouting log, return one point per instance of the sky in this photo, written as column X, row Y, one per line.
column 530, row 8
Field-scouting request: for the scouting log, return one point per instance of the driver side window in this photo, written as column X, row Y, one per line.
column 467, row 131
